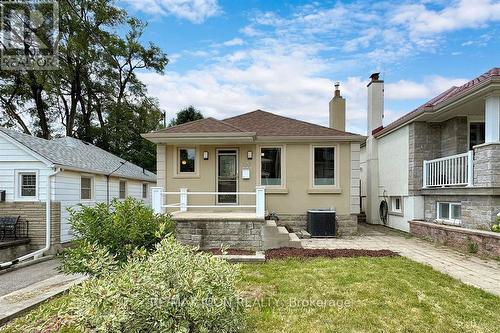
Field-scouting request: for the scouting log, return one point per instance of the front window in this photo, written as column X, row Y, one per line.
column 187, row 160
column 324, row 166
column 476, row 134
column 270, row 161
column 448, row 211
column 28, row 185
column 144, row 191
column 123, row 189
column 86, row 188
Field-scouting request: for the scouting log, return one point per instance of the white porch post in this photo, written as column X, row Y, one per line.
column 424, row 185
column 470, row 168
column 184, row 199
column 260, row 201
column 492, row 119
column 156, row 199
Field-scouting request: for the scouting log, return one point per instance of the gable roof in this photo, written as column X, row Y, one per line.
column 442, row 99
column 253, row 125
column 71, row 153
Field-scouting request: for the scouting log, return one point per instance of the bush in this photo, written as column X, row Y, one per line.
column 174, row 289
column 115, row 231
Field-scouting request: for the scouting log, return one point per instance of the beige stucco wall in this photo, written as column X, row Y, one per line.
column 296, row 198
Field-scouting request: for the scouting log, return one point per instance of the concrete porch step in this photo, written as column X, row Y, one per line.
column 276, row 237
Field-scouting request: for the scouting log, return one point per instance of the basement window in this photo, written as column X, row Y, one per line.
column 449, row 212
column 397, row 205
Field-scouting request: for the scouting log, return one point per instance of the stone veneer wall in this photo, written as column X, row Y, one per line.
column 487, row 165
column 34, row 213
column 428, row 141
column 347, row 224
column 478, row 211
column 208, row 234
column 487, row 242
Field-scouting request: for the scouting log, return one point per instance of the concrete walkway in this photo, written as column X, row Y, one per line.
column 26, row 287
column 481, row 273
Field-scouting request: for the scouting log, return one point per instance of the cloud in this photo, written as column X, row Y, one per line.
column 234, row 42
column 459, row 15
column 430, row 87
column 195, row 11
column 287, row 64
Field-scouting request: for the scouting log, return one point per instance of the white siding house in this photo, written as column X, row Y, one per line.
column 79, row 173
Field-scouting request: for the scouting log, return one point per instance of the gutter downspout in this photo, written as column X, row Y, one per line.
column 37, row 254
column 107, row 180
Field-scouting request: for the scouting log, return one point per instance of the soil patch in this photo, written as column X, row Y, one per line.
column 287, row 252
column 229, row 251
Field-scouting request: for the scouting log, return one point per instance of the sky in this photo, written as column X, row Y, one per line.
column 231, row 57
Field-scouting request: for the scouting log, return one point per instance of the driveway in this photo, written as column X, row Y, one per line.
column 26, row 276
column 478, row 272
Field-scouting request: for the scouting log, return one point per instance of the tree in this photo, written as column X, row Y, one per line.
column 95, row 95
column 186, row 115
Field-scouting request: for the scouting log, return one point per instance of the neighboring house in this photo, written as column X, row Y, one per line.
column 440, row 162
column 78, row 173
column 299, row 165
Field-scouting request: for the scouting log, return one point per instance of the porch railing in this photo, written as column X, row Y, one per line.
column 160, row 204
column 456, row 170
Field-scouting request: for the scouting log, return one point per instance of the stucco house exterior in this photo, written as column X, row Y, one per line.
column 439, row 163
column 297, row 165
column 36, row 173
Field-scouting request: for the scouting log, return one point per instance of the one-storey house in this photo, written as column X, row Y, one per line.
column 439, row 163
column 212, row 165
column 36, row 173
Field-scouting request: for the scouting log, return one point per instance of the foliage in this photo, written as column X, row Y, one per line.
column 186, row 115
column 175, row 289
column 100, row 54
column 114, row 232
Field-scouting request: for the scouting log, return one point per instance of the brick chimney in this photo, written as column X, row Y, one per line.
column 337, row 110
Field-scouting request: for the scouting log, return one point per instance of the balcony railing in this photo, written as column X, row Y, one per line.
column 456, row 170
column 160, row 204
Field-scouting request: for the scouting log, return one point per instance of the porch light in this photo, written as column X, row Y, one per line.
column 205, row 155
column 249, row 155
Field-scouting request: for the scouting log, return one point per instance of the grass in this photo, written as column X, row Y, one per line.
column 337, row 295
column 363, row 295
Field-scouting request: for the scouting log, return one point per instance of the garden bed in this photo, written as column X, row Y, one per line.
column 286, row 252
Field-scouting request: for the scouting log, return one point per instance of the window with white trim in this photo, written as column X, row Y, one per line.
column 449, row 211
column 86, row 188
column 270, row 166
column 396, row 205
column 324, row 166
column 27, row 184
column 144, row 190
column 123, row 189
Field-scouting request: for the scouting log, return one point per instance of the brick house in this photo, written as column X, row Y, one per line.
column 439, row 163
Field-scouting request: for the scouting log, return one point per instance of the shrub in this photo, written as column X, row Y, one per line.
column 115, row 231
column 174, row 289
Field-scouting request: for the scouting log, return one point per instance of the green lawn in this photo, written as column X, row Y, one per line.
column 364, row 295
column 340, row 295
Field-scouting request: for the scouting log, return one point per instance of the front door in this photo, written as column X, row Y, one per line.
column 227, row 175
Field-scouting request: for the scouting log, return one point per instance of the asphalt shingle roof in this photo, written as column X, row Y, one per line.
column 74, row 153
column 260, row 122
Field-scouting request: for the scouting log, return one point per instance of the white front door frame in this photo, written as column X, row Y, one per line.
column 236, row 154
